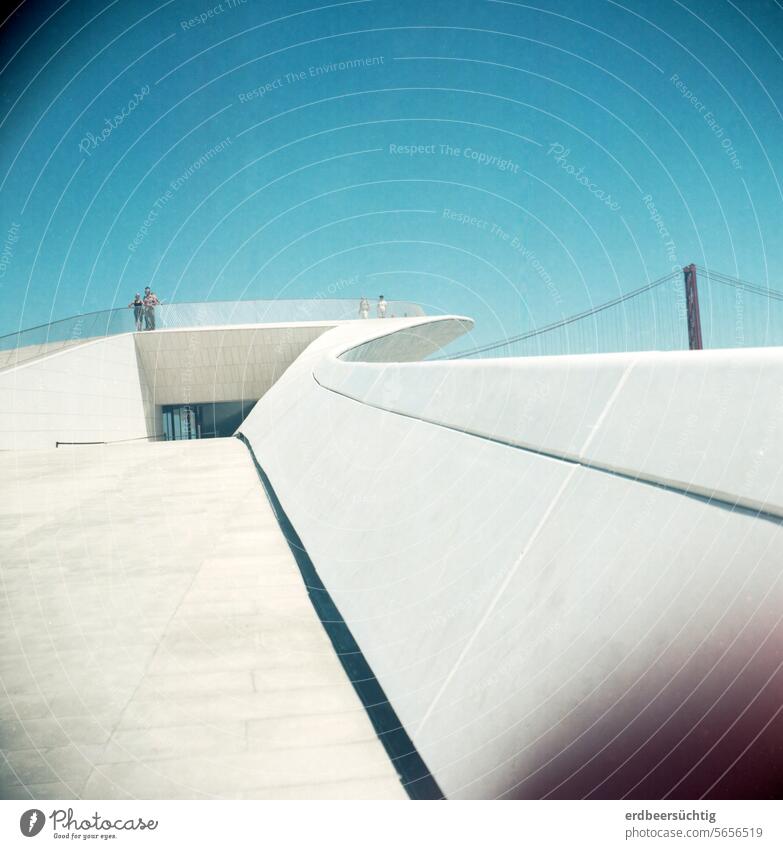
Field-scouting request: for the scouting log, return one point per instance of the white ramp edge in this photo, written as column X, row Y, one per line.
column 542, row 628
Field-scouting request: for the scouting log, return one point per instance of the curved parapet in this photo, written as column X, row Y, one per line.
column 660, row 417
column 563, row 571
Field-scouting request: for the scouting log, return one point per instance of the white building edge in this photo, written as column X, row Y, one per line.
column 565, row 572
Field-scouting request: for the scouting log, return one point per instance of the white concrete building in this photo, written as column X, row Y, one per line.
column 559, row 576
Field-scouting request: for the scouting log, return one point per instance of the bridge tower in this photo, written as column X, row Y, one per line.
column 692, row 302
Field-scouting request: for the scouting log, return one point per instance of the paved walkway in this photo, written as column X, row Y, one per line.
column 157, row 640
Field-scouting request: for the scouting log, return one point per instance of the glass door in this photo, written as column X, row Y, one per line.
column 181, row 422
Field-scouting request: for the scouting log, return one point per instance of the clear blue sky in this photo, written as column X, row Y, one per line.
column 547, row 135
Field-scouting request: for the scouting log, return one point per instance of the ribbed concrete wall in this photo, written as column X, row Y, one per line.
column 543, row 625
column 208, row 365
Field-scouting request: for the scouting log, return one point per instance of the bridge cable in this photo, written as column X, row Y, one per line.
column 537, row 331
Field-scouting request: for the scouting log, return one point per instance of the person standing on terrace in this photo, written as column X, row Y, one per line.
column 150, row 302
column 381, row 307
column 364, row 308
column 138, row 310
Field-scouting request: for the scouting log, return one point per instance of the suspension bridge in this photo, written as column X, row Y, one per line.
column 693, row 309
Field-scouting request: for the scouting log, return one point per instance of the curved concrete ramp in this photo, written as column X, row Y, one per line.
column 158, row 640
column 564, row 571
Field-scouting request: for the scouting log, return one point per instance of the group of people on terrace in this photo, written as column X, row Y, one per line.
column 380, row 307
column 144, row 309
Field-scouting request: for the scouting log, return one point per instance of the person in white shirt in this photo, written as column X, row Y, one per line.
column 381, row 308
column 364, row 308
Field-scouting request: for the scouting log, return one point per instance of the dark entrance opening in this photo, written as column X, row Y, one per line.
column 204, row 421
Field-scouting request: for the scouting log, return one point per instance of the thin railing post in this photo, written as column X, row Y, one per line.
column 692, row 303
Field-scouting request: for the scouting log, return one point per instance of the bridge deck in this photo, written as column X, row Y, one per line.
column 158, row 640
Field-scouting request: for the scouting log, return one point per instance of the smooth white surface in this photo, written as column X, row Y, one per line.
column 710, row 422
column 15, row 356
column 536, row 623
column 158, row 641
column 548, row 403
column 89, row 392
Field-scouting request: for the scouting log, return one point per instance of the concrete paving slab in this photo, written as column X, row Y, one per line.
column 227, row 775
column 157, row 639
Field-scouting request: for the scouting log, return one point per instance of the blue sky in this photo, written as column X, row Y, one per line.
column 512, row 162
